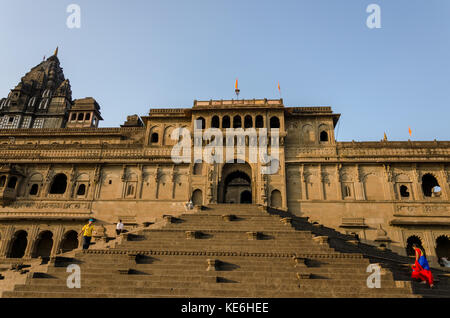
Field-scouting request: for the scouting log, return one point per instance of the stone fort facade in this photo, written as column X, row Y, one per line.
column 58, row 169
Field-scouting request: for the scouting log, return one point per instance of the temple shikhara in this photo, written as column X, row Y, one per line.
column 309, row 230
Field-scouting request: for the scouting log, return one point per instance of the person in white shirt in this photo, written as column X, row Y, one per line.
column 119, row 227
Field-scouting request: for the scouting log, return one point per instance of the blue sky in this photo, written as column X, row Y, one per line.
column 138, row 54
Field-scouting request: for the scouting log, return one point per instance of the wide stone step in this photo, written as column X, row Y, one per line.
column 174, row 281
column 185, row 292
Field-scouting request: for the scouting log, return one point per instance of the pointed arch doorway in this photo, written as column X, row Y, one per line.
column 235, row 185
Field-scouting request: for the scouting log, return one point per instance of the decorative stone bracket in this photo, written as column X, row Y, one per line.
column 299, row 261
column 301, row 276
column 213, row 264
column 168, row 219
column 321, row 239
column 253, row 235
column 192, row 235
column 286, row 221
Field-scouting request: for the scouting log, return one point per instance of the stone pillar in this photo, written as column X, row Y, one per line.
column 97, row 184
column 444, row 183
column 416, row 182
column 140, row 184
column 338, row 182
column 359, row 186
column 31, row 241
column 6, row 241
column 321, row 179
column 57, row 237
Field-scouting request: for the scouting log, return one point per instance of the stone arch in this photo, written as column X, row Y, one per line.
column 443, row 248
column 323, row 136
column 197, row 197
column 413, row 239
column 226, row 123
column 12, row 182
column 235, row 179
column 59, row 184
column 323, row 133
column 276, row 200
column 215, row 122
column 237, row 121
column 200, row 123
column 154, row 135
column 19, row 244
column 274, row 122
column 44, row 244
column 346, row 177
column 248, row 121
column 197, row 169
column 402, row 178
column 69, row 241
column 429, row 182
column 259, row 121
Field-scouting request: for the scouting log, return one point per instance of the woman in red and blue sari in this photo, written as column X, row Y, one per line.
column 421, row 269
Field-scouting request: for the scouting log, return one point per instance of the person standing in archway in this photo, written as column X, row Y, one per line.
column 421, row 269
column 86, row 231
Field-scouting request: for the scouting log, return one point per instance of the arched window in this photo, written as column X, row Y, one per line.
column 44, row 244
column 88, row 116
column 409, row 243
column 275, row 199
column 404, row 193
column 74, row 117
column 154, row 138
column 274, row 122
column 69, row 241
column 47, row 93
column 198, row 168
column 19, row 244
column 323, row 136
column 215, row 122
column 200, row 123
column 237, row 122
column 34, row 189
column 197, row 197
column 81, row 189
column 443, row 248
column 31, row 102
column 2, row 181
column 259, row 121
column 80, row 116
column 12, row 182
column 429, row 182
column 59, row 184
column 248, row 121
column 226, row 122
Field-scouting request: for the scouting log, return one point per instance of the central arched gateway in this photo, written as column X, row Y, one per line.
column 236, row 183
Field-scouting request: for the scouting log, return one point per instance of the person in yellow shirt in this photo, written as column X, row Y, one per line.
column 86, row 231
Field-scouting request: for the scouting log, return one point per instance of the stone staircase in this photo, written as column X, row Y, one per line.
column 221, row 251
